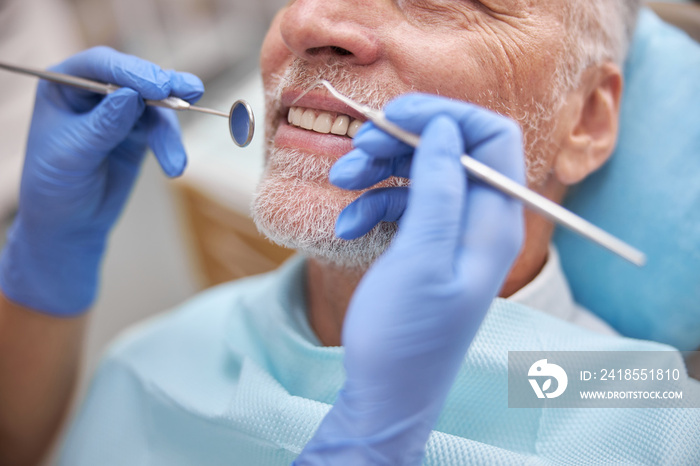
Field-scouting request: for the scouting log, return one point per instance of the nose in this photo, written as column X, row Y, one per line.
column 316, row 30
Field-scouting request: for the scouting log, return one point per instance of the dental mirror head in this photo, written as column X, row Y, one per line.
column 241, row 123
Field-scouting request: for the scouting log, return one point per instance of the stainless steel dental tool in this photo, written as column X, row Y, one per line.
column 240, row 118
column 477, row 170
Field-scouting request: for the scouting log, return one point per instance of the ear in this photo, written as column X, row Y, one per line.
column 591, row 135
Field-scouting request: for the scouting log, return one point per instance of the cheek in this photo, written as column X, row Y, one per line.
column 456, row 50
column 446, row 65
column 274, row 55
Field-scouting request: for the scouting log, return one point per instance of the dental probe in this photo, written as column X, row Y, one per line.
column 241, row 119
column 477, row 170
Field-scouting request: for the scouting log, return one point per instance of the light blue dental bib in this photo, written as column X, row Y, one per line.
column 235, row 377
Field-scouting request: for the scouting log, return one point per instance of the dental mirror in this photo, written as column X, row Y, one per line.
column 241, row 123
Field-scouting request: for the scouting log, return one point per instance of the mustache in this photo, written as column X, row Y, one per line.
column 342, row 75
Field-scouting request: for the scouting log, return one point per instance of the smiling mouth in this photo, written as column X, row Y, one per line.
column 323, row 122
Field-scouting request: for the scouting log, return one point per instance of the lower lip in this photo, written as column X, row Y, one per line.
column 330, row 145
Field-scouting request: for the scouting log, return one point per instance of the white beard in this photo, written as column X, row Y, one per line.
column 295, row 206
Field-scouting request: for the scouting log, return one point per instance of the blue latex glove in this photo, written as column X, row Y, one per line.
column 83, row 156
column 417, row 309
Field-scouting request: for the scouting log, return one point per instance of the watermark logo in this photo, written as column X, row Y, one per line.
column 544, row 370
column 600, row 379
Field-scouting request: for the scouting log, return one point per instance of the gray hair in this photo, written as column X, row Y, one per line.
column 597, row 31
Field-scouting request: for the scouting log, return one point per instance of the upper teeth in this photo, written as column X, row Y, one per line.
column 323, row 122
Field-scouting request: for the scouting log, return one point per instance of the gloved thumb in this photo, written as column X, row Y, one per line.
column 108, row 124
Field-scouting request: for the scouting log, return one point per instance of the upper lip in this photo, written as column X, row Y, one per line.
column 318, row 100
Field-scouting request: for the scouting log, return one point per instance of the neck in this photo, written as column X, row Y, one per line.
column 328, row 292
column 532, row 256
column 538, row 234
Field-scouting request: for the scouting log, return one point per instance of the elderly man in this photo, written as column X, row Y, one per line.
column 247, row 373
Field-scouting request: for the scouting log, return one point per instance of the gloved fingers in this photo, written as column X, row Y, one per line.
column 358, row 170
column 432, row 221
column 107, row 125
column 372, row 207
column 186, row 86
column 109, row 66
column 165, row 139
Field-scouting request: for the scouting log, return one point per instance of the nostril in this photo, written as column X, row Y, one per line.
column 340, row 51
column 334, row 50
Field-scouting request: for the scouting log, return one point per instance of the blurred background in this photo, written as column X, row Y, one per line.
column 175, row 238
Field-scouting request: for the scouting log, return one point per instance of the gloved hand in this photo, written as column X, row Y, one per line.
column 417, row 309
column 83, row 155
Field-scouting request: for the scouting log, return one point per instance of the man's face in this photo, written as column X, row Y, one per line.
column 501, row 54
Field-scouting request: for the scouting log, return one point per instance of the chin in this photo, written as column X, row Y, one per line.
column 296, row 207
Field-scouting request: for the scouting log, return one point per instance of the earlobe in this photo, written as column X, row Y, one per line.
column 592, row 136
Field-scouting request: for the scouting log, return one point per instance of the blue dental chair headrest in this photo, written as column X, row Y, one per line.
column 648, row 194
